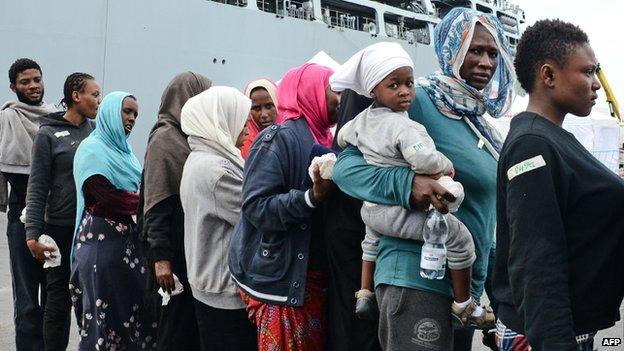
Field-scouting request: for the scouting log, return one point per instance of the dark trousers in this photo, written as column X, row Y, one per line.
column 224, row 330
column 344, row 231
column 177, row 329
column 56, row 316
column 26, row 272
column 462, row 339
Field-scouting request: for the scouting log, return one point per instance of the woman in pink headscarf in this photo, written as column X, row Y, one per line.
column 276, row 253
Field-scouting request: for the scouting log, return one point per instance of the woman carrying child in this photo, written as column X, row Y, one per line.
column 477, row 77
column 387, row 137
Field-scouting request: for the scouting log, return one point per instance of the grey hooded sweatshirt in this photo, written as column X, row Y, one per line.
column 51, row 196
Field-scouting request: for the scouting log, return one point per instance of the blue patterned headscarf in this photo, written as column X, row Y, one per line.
column 451, row 94
column 106, row 152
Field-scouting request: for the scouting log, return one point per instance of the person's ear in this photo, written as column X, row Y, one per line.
column 75, row 96
column 13, row 88
column 547, row 75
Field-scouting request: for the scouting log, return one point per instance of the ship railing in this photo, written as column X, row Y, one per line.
column 239, row 3
column 298, row 9
column 405, row 28
column 340, row 19
column 417, row 35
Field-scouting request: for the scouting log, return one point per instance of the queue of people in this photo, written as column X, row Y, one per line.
column 252, row 246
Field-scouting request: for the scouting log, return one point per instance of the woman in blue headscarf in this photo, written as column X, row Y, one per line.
column 476, row 77
column 107, row 276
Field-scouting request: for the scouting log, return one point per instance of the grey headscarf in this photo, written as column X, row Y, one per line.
column 167, row 147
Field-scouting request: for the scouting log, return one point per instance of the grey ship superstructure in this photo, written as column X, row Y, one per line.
column 139, row 45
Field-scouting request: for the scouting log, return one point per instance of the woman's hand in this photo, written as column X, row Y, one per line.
column 164, row 275
column 38, row 250
column 427, row 191
column 321, row 188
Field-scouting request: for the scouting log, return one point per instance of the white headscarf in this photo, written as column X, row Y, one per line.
column 364, row 70
column 218, row 115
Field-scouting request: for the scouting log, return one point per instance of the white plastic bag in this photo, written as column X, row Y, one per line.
column 53, row 259
column 325, row 164
column 166, row 296
column 454, row 188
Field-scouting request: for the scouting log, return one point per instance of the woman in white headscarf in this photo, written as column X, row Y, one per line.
column 210, row 192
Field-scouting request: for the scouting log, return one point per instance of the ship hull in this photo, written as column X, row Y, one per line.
column 139, row 45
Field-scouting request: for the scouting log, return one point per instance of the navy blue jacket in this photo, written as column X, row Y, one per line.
column 269, row 250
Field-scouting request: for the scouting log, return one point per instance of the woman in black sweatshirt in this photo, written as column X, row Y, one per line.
column 560, row 236
column 51, row 197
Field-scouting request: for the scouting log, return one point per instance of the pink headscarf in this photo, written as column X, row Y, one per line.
column 302, row 93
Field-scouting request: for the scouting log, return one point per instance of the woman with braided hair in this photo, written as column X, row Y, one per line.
column 51, row 197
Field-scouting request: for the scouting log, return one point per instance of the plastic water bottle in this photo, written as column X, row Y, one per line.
column 433, row 255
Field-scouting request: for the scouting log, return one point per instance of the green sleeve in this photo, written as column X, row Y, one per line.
column 382, row 185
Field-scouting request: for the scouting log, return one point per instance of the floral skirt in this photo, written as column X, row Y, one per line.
column 107, row 288
column 287, row 328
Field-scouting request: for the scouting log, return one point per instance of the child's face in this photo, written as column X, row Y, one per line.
column 396, row 91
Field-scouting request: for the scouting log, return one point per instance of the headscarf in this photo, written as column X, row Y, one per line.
column 369, row 66
column 167, row 148
column 451, row 94
column 217, row 116
column 252, row 126
column 106, row 152
column 301, row 93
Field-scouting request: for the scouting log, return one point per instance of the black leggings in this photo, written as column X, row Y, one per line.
column 224, row 330
column 56, row 315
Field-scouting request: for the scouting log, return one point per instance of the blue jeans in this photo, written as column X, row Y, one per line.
column 28, row 277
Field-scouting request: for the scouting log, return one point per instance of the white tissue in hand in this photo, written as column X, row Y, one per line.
column 23, row 216
column 52, row 259
column 325, row 164
column 176, row 291
column 454, row 188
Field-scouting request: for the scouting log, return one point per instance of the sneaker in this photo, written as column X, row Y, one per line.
column 463, row 318
column 366, row 306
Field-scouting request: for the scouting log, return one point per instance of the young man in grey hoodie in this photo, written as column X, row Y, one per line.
column 19, row 121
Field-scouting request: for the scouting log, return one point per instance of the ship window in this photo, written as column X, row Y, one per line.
column 340, row 13
column 288, row 8
column 417, row 6
column 484, row 9
column 512, row 41
column 410, row 29
column 239, row 3
column 510, row 24
column 444, row 6
column 272, row 6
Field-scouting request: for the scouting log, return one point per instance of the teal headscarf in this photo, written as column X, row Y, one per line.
column 106, row 152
